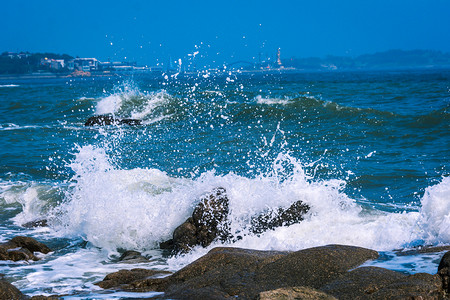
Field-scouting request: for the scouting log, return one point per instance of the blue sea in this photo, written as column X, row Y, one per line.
column 369, row 152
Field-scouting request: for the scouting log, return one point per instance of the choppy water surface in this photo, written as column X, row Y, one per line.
column 367, row 151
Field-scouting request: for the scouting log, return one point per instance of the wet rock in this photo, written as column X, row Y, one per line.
column 103, row 120
column 210, row 222
column 133, row 257
column 380, row 283
column 444, row 272
column 243, row 273
column 294, row 293
column 36, row 223
column 280, row 217
column 22, row 248
column 117, row 279
column 9, row 291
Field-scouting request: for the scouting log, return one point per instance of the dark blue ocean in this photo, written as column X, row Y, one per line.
column 369, row 152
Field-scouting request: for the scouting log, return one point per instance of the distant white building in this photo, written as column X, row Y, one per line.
column 84, row 64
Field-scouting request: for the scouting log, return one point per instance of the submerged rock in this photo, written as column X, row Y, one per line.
column 36, row 223
column 103, row 120
column 22, row 248
column 133, row 257
column 115, row 280
column 210, row 222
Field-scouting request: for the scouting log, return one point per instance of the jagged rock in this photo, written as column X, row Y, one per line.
column 104, row 120
column 280, row 217
column 132, row 257
column 210, row 222
column 36, row 223
column 22, row 248
column 243, row 273
column 115, row 280
column 444, row 272
column 295, row 293
column 9, row 291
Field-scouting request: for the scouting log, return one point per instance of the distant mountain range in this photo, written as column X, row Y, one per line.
column 392, row 59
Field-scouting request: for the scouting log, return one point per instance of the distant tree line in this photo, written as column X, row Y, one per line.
column 25, row 62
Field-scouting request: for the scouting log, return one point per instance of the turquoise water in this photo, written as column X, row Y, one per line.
column 368, row 151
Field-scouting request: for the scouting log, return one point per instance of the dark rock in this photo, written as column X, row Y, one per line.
column 30, row 244
column 313, row 267
column 9, row 291
column 280, row 217
column 209, row 222
column 103, row 120
column 132, row 257
column 380, row 283
column 230, row 272
column 293, row 293
column 131, row 122
column 115, row 280
column 444, row 272
column 36, row 223
column 22, row 248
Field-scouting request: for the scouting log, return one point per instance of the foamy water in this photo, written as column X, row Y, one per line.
column 374, row 174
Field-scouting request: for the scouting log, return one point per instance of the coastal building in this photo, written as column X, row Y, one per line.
column 55, row 64
column 84, row 64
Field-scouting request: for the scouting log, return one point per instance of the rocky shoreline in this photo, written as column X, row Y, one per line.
column 326, row 272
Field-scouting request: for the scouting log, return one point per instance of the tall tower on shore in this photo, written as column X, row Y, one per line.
column 279, row 58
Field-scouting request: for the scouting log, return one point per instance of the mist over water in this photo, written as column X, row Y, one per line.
column 367, row 151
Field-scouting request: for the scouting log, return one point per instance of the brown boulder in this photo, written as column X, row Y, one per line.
column 380, row 283
column 22, row 248
column 9, row 291
column 230, row 272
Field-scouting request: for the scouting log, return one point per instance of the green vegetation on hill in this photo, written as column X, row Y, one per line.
column 25, row 62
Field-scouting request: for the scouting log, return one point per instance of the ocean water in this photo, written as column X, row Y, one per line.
column 369, row 152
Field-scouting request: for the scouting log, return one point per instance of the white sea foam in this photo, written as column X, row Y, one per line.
column 435, row 213
column 132, row 103
column 270, row 101
column 136, row 209
column 34, row 198
column 8, row 85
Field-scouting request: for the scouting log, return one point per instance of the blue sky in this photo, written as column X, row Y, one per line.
column 154, row 31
